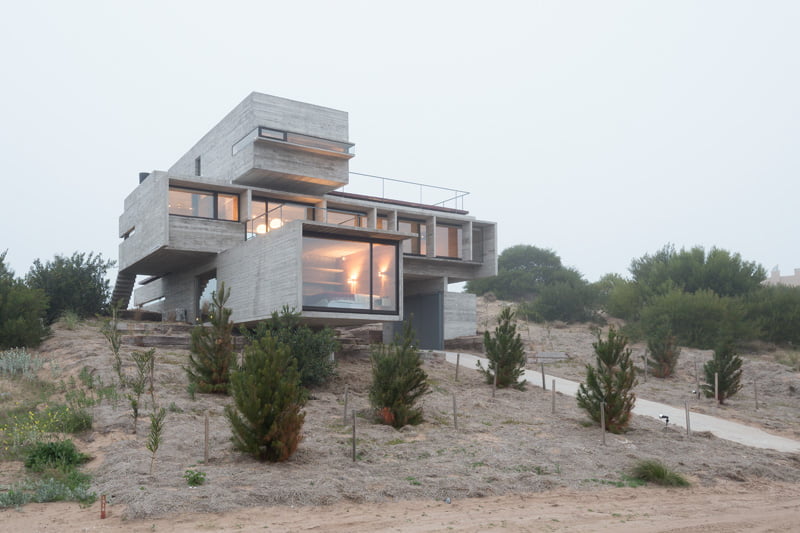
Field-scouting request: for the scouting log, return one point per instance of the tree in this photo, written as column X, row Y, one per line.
column 663, row 354
column 77, row 283
column 312, row 349
column 22, row 311
column 266, row 416
column 398, row 380
column 610, row 382
column 565, row 301
column 505, row 352
column 212, row 348
column 727, row 366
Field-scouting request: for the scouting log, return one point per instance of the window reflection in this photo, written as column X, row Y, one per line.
column 415, row 245
column 340, row 274
column 448, row 241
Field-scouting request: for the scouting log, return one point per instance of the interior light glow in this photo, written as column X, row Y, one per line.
column 261, row 228
column 275, row 223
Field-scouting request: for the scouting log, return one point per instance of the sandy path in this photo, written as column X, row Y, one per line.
column 728, row 507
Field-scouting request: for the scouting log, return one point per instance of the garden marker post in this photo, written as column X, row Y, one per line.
column 458, row 363
column 344, row 416
column 354, row 435
column 544, row 385
column 455, row 415
column 103, row 506
column 553, row 390
column 688, row 425
column 716, row 386
column 603, row 420
column 696, row 379
column 755, row 391
column 494, row 387
column 645, row 366
column 205, row 441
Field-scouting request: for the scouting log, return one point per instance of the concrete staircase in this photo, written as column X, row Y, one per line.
column 123, row 288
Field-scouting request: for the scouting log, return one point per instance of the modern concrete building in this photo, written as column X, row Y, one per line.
column 775, row 278
column 258, row 204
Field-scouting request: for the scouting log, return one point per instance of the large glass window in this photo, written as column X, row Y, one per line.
column 415, row 245
column 448, row 241
column 349, row 275
column 347, row 218
column 269, row 215
column 203, row 204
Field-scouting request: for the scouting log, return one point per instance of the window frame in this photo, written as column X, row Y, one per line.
column 215, row 195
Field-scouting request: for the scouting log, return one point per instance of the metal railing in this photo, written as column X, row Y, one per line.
column 409, row 191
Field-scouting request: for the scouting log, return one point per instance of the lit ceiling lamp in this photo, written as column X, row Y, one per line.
column 275, row 223
column 261, row 228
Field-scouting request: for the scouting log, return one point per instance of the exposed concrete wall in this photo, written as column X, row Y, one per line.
column 151, row 291
column 146, row 218
column 204, row 235
column 775, row 278
column 264, row 273
column 215, row 149
column 460, row 316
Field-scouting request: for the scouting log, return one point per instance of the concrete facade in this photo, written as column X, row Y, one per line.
column 270, row 151
column 775, row 278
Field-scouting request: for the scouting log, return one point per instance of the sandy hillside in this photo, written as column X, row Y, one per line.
column 511, row 458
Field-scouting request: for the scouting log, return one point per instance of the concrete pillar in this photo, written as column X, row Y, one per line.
column 466, row 241
column 372, row 218
column 430, row 236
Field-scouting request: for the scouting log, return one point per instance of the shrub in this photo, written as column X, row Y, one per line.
column 776, row 310
column 653, row 471
column 154, row 437
column 564, row 301
column 266, row 416
column 194, row 478
column 70, row 319
column 77, row 283
column 663, row 354
column 212, row 348
column 398, row 380
column 505, row 352
column 312, row 349
column 728, row 367
column 59, row 454
column 18, row 362
column 22, row 311
column 610, row 383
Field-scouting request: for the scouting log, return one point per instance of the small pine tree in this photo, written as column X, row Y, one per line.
column 663, row 355
column 728, row 366
column 610, row 383
column 266, row 417
column 398, row 380
column 212, row 348
column 505, row 352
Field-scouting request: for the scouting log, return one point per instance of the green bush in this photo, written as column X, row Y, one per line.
column 653, row 471
column 58, row 454
column 776, row 311
column 194, row 478
column 77, row 283
column 18, row 362
column 398, row 380
column 663, row 354
column 68, row 419
column 564, row 301
column 266, row 417
column 609, row 383
column 312, row 349
column 505, row 352
column 22, row 311
column 698, row 319
column 212, row 354
column 728, row 368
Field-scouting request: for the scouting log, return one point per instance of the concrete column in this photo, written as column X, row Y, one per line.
column 430, row 236
column 466, row 241
column 372, row 218
column 321, row 214
column 392, row 220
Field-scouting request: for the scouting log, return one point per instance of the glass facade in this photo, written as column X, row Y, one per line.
column 348, row 275
column 415, row 245
column 448, row 241
column 203, row 204
column 347, row 218
column 269, row 215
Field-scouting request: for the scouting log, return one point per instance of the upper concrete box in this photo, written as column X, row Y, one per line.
column 274, row 143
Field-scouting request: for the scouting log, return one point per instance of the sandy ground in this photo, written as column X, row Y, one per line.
column 511, row 463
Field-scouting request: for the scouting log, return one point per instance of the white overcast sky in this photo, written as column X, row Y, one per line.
column 602, row 130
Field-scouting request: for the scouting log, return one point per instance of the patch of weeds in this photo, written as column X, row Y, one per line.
column 486, row 423
column 70, row 320
column 194, row 478
column 424, row 455
column 586, row 423
column 174, row 408
column 510, row 422
column 18, row 362
column 477, row 464
column 413, row 481
column 653, row 471
column 191, row 388
column 394, row 442
column 59, row 454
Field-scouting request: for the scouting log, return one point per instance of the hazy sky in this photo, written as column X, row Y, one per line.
column 602, row 130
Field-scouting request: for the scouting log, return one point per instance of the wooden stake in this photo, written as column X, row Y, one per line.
column 716, row 386
column 455, row 415
column 645, row 366
column 544, row 384
column 603, row 420
column 346, row 393
column 688, row 425
column 553, row 389
column 354, row 435
column 205, row 441
column 494, row 387
column 696, row 379
column 458, row 363
column 103, row 506
column 755, row 390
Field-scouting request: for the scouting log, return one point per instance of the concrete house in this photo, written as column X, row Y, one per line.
column 258, row 204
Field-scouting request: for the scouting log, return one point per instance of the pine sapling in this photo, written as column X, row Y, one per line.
column 154, row 438
column 505, row 352
column 212, row 356
column 727, row 365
